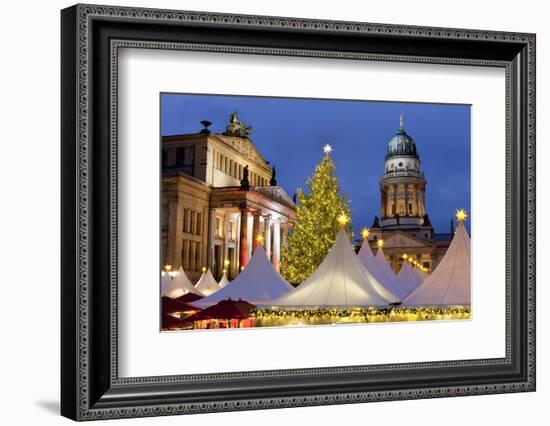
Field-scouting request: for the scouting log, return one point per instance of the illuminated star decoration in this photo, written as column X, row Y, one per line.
column 327, row 149
column 343, row 219
column 380, row 243
column 365, row 233
column 260, row 238
column 461, row 215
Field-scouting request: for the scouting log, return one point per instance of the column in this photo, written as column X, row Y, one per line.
column 225, row 239
column 185, row 260
column 175, row 230
column 395, row 199
column 192, row 264
column 267, row 235
column 243, row 239
column 276, row 244
column 406, row 199
column 416, row 201
column 255, row 229
column 382, row 203
column 211, row 239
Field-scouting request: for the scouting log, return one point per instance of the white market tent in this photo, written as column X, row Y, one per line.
column 177, row 286
column 340, row 280
column 449, row 284
column 207, row 284
column 409, row 277
column 381, row 271
column 224, row 281
column 258, row 283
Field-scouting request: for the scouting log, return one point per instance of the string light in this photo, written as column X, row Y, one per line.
column 273, row 317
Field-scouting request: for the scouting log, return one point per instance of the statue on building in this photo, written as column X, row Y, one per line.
column 273, row 180
column 245, row 183
column 237, row 128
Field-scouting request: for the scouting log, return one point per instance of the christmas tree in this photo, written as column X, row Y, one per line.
column 317, row 223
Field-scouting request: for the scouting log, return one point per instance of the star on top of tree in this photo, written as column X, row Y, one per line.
column 461, row 215
column 327, row 149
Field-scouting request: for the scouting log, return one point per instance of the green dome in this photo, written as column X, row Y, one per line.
column 401, row 144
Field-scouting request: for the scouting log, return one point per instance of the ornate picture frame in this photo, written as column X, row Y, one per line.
column 91, row 38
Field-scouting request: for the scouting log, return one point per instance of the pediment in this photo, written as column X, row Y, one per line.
column 245, row 147
column 402, row 239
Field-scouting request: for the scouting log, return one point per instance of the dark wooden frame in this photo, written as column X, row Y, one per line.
column 91, row 388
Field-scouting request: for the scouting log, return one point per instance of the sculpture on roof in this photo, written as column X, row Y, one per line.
column 237, row 128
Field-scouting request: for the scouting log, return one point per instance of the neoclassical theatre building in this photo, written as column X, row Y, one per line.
column 404, row 224
column 220, row 199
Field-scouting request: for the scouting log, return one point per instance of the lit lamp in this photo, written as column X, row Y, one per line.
column 168, row 270
column 380, row 243
column 260, row 239
column 365, row 232
column 405, row 256
column 226, row 263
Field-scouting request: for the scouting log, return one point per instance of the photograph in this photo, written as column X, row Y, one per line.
column 280, row 211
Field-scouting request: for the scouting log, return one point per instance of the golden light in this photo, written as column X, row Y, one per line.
column 327, row 149
column 260, row 238
column 204, row 269
column 226, row 262
column 405, row 256
column 380, row 243
column 343, row 219
column 365, row 233
column 461, row 215
column 225, row 271
column 167, row 267
column 242, row 268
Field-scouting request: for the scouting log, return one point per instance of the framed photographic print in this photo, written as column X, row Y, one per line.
column 263, row 212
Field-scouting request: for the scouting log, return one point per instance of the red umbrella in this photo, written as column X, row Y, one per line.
column 171, row 323
column 170, row 306
column 188, row 298
column 225, row 309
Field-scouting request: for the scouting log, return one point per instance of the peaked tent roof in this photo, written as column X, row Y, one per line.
column 381, row 271
column 177, row 286
column 258, row 283
column 207, row 284
column 340, row 280
column 224, row 281
column 450, row 283
column 409, row 277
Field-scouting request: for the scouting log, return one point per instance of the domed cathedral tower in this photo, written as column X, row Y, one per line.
column 404, row 226
column 403, row 185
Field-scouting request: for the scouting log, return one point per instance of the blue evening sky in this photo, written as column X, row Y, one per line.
column 290, row 134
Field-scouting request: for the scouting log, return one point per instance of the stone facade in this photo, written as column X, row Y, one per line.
column 218, row 196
